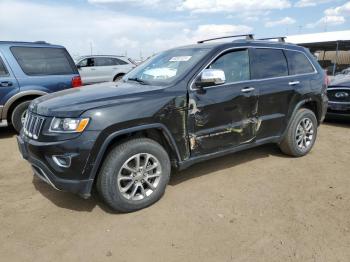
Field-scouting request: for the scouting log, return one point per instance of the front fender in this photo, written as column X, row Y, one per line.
column 104, row 140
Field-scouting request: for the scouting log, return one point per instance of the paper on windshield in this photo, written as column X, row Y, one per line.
column 180, row 58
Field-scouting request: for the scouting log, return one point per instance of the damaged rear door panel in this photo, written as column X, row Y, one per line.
column 224, row 116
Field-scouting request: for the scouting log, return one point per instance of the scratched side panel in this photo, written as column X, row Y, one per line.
column 221, row 117
column 174, row 116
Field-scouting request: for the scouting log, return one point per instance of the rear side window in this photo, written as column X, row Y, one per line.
column 119, row 61
column 103, row 61
column 298, row 63
column 108, row 61
column 36, row 61
column 268, row 63
column 3, row 70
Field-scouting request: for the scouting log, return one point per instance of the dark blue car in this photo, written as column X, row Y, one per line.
column 29, row 70
column 339, row 96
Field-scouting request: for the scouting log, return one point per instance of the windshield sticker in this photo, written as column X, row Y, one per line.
column 180, row 58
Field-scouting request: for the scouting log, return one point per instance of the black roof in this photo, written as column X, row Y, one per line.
column 243, row 42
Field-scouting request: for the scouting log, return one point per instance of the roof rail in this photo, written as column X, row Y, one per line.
column 279, row 38
column 247, row 37
column 40, row 42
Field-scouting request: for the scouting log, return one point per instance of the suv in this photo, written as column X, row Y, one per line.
column 96, row 69
column 29, row 70
column 182, row 106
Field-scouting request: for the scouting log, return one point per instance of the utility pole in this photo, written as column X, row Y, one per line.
column 90, row 48
column 141, row 58
column 300, row 27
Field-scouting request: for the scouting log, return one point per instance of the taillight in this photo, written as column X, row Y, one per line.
column 326, row 80
column 76, row 81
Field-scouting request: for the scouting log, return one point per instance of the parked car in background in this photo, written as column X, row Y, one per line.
column 103, row 68
column 339, row 96
column 182, row 106
column 29, row 70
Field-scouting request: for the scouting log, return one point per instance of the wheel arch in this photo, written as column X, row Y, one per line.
column 118, row 74
column 17, row 99
column 157, row 132
column 308, row 103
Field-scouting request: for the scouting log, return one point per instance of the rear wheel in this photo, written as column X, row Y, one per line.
column 301, row 134
column 117, row 78
column 19, row 114
column 134, row 175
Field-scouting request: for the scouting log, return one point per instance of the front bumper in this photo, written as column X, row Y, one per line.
column 71, row 179
column 336, row 109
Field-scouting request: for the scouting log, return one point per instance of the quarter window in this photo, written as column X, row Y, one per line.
column 3, row 70
column 44, row 60
column 268, row 63
column 235, row 65
column 117, row 61
column 298, row 63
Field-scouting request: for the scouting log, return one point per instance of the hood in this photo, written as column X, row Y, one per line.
column 73, row 102
column 340, row 80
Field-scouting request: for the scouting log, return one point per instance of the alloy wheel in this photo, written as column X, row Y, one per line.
column 139, row 176
column 304, row 134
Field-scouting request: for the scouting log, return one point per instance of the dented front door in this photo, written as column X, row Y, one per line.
column 224, row 116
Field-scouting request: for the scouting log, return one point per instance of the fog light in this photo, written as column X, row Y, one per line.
column 62, row 161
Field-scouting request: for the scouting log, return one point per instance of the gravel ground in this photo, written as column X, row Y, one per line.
column 256, row 205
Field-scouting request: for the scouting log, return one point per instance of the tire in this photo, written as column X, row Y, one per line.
column 18, row 114
column 114, row 179
column 117, row 78
column 301, row 134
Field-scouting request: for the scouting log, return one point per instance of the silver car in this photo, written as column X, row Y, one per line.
column 103, row 68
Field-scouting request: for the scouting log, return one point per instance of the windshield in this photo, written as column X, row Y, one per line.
column 166, row 67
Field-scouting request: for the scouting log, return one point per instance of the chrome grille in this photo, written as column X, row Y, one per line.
column 339, row 94
column 32, row 125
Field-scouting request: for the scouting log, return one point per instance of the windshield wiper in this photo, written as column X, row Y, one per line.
column 138, row 80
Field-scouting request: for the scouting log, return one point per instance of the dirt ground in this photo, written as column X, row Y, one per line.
column 256, row 205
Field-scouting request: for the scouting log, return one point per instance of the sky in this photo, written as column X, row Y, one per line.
column 140, row 28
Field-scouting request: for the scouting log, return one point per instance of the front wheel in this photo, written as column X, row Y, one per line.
column 19, row 114
column 301, row 134
column 134, row 175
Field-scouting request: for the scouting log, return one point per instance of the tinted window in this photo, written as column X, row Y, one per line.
column 298, row 63
column 117, row 61
column 3, row 70
column 267, row 63
column 44, row 60
column 234, row 64
column 108, row 61
column 103, row 61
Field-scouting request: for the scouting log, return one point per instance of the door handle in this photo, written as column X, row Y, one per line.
column 247, row 89
column 294, row 83
column 5, row 83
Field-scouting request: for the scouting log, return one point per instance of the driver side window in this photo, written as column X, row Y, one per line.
column 235, row 64
column 86, row 62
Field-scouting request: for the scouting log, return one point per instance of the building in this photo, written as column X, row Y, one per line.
column 332, row 49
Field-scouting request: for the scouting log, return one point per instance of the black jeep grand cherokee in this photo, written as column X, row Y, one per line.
column 183, row 106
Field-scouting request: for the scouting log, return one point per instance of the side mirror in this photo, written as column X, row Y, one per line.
column 78, row 66
column 211, row 77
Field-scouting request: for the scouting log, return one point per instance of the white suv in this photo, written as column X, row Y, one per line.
column 96, row 69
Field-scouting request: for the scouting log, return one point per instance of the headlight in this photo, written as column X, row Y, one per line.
column 68, row 125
